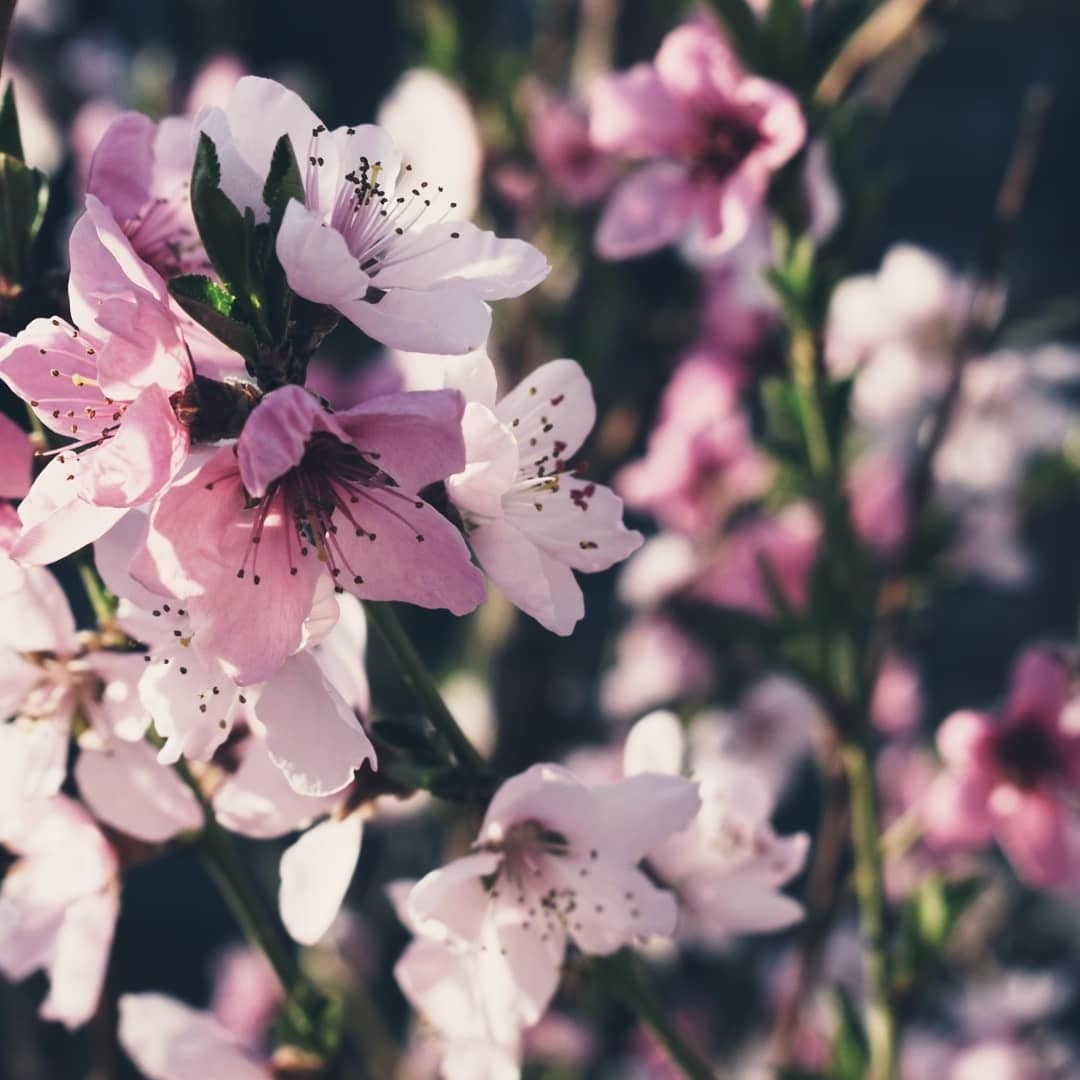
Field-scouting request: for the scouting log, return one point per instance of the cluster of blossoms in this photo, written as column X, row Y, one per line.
column 238, row 509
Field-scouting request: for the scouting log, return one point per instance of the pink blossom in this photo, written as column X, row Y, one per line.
column 530, row 520
column 377, row 241
column 712, row 134
column 106, row 386
column 554, row 860
column 728, row 866
column 58, row 905
column 306, row 715
column 701, row 459
column 308, row 495
column 48, row 675
column 214, row 81
column 877, row 490
column 1011, row 778
column 141, row 172
column 786, row 542
column 655, row 663
column 559, row 136
column 433, row 125
column 168, row 1040
column 896, row 706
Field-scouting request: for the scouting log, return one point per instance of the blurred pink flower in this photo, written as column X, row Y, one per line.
column 897, row 704
column 433, row 125
column 787, row 542
column 213, row 82
column 701, row 458
column 58, row 904
column 1013, row 777
column 169, row 1040
column 714, row 136
column 878, row 497
column 246, row 994
column 413, row 276
column 559, row 135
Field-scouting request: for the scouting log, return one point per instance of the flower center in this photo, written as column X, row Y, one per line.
column 724, row 141
column 1026, row 752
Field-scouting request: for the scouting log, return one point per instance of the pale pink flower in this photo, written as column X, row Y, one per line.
column 49, row 674
column 377, row 241
column 58, row 905
column 308, row 495
column 530, row 520
column 306, row 713
column 786, row 542
column 655, row 663
column 168, row 1040
column 728, row 866
column 433, row 125
column 141, row 171
column 106, row 386
column 878, row 498
column 580, row 171
column 16, row 471
column 214, row 81
column 701, row 459
column 713, row 136
column 897, row 704
column 554, row 861
column 1013, row 777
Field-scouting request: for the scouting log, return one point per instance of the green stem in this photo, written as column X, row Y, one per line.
column 96, row 593
column 623, row 977
column 870, row 893
column 802, row 360
column 423, row 686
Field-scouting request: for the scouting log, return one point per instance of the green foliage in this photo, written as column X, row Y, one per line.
column 310, row 1022
column 211, row 305
column 927, row 921
column 850, row 1049
column 283, row 182
column 10, row 139
column 24, row 195
column 742, row 26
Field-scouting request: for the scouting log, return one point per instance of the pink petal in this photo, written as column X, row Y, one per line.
column 448, row 318
column 315, row 875
column 125, row 787
column 45, row 622
column 632, row 112
column 56, row 519
column 258, row 801
column 541, row 586
column 170, row 1041
column 122, row 164
column 80, row 956
column 16, row 459
column 417, row 435
column 1033, row 827
column 550, row 412
column 316, row 259
column 311, row 734
column 656, row 744
column 545, row 793
column 491, row 453
column 457, row 251
column 955, row 812
column 648, row 210
column 638, row 814
column 963, row 739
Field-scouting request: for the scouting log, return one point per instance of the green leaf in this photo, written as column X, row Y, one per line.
column 283, row 181
column 309, row 1021
column 228, row 236
column 782, row 47
column 10, row 139
column 742, row 27
column 211, row 305
column 24, row 195
column 850, row 1050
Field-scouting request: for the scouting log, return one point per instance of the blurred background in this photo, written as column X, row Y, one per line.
column 942, row 117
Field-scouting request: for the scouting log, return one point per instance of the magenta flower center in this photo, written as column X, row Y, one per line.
column 723, row 143
column 1026, row 752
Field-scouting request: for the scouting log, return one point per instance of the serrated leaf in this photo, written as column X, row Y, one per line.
column 24, row 194
column 211, row 305
column 10, row 138
column 283, row 181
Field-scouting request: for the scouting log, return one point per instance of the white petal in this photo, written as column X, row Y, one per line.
column 316, row 260
column 491, row 455
column 315, row 874
column 638, row 814
column 452, row 901
column 551, row 412
column 655, row 744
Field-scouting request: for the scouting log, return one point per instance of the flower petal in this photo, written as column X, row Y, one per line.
column 648, row 210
